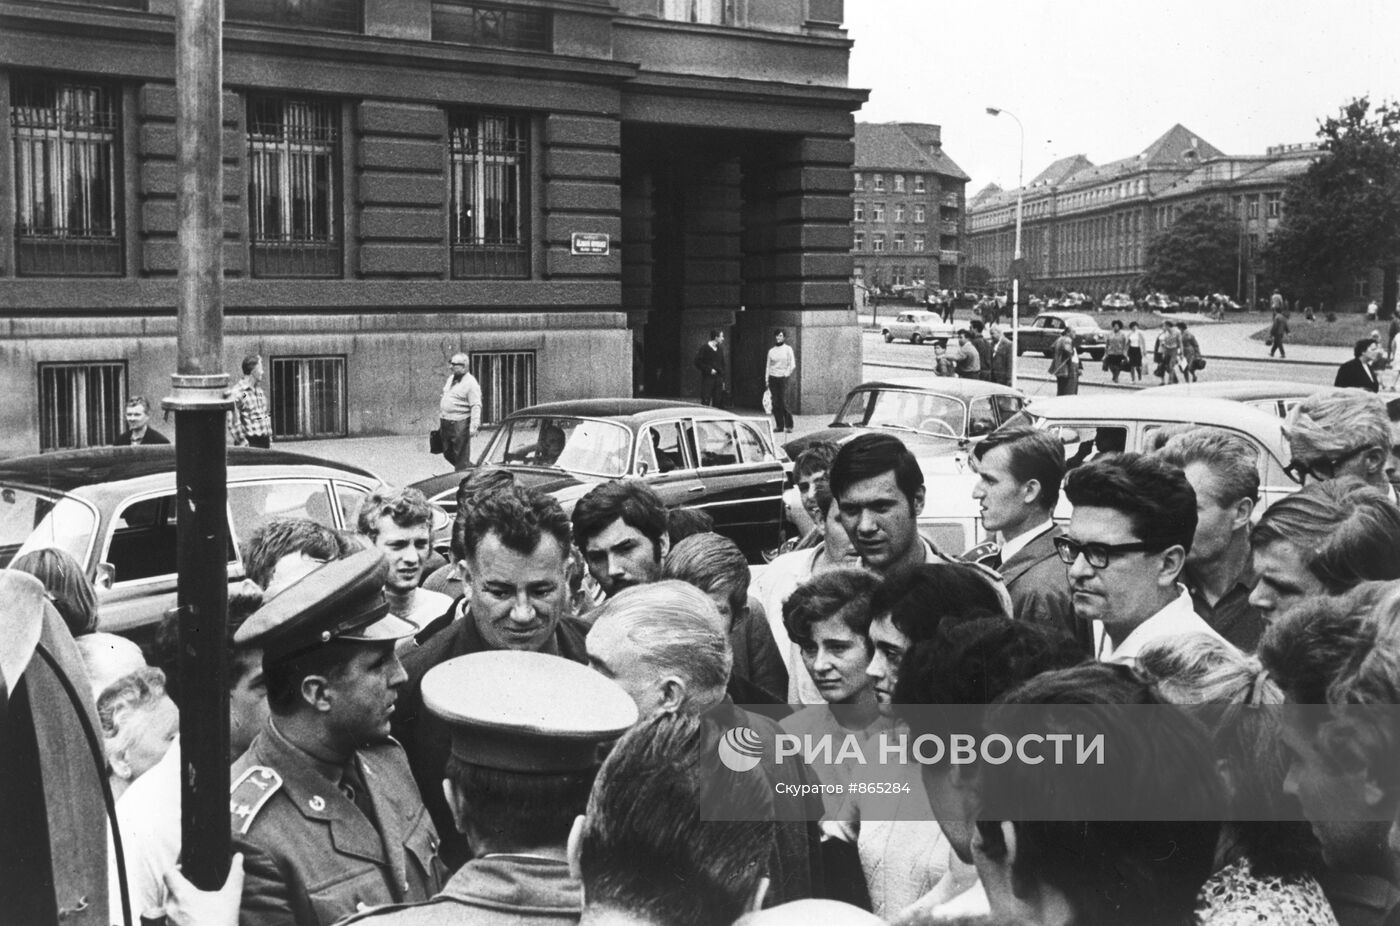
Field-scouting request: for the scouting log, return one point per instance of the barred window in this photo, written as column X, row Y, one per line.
column 714, row 12
column 293, row 188
column 66, row 167
column 490, row 175
column 81, row 404
column 489, row 24
column 307, row 396
column 507, row 381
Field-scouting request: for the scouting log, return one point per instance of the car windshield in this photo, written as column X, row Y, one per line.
column 578, row 445
column 901, row 409
column 31, row 520
column 1080, row 321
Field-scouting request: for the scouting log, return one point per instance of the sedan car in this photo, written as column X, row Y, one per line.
column 1274, row 396
column 693, row 455
column 113, row 509
column 1117, row 302
column 1160, row 302
column 1045, row 329
column 918, row 327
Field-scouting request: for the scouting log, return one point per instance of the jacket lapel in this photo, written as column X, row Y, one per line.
column 1038, row 550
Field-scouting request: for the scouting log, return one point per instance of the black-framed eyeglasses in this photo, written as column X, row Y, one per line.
column 1098, row 555
column 1322, row 467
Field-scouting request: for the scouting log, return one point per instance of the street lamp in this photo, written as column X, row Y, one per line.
column 1016, row 257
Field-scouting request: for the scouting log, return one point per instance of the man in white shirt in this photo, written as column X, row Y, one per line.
column 459, row 416
column 400, row 525
column 781, row 365
column 1133, row 522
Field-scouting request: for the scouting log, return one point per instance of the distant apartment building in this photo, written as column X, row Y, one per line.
column 1086, row 227
column 909, row 207
column 573, row 192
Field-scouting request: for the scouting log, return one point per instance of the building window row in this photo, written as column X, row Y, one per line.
column 68, row 167
column 81, row 404
column 899, row 183
column 902, row 212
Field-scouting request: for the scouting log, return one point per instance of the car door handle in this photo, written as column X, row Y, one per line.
column 693, row 489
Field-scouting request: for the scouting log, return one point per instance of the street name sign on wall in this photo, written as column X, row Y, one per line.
column 597, row 243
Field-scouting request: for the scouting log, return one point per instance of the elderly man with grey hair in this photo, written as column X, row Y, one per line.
column 1341, row 432
column 666, row 644
column 459, row 417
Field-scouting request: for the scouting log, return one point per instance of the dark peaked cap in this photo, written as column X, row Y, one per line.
column 342, row 600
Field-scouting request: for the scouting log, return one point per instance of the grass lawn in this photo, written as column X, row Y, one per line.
column 1344, row 332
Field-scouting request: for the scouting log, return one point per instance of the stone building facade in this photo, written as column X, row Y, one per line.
column 572, row 191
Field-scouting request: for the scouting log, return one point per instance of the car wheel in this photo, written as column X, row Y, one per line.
column 888, row 337
column 916, row 338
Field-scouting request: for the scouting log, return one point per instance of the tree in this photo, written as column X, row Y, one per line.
column 977, row 277
column 1198, row 253
column 1342, row 217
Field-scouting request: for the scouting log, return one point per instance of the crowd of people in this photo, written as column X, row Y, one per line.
column 535, row 730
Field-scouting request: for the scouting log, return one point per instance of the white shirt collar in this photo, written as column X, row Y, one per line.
column 1018, row 543
column 1177, row 618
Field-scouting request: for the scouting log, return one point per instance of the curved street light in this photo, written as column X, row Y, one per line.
column 1016, row 256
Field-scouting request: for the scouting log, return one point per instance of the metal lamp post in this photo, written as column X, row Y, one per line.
column 1016, row 257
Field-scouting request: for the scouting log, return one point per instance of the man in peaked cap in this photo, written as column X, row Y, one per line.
column 323, row 805
column 528, row 733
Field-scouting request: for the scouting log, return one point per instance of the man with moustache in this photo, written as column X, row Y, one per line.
column 620, row 527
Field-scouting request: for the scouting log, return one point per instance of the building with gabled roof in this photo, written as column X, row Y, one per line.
column 910, row 203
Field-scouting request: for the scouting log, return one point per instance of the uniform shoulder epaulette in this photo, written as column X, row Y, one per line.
column 248, row 794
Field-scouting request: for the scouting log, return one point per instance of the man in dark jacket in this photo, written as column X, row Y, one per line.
column 709, row 360
column 1001, row 356
column 983, row 346
column 1359, row 372
column 138, row 425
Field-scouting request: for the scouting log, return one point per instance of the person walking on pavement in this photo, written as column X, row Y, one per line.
column 1279, row 329
column 1064, row 365
column 1190, row 353
column 781, row 365
column 249, row 423
column 1115, row 354
column 1137, row 347
column 1168, row 352
column 709, row 360
column 460, row 413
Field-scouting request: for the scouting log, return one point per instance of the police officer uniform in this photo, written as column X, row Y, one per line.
column 321, row 839
column 524, row 712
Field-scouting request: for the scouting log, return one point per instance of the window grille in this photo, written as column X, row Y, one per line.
column 307, row 396
column 487, row 24
column 490, row 170
column 81, row 404
column 507, row 381
column 293, row 190
column 66, row 168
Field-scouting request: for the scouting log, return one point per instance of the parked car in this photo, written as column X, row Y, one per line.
column 1117, row 302
column 949, row 412
column 918, row 327
column 1045, row 329
column 1274, row 396
column 1090, row 425
column 113, row 509
column 693, row 455
column 1160, row 302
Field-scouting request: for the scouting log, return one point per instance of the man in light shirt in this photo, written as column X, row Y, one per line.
column 460, row 413
column 1133, row 522
column 781, row 365
column 400, row 525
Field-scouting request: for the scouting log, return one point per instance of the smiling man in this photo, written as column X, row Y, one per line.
column 138, row 425
column 324, row 765
column 400, row 525
column 620, row 527
column 515, row 543
column 879, row 492
column 1133, row 522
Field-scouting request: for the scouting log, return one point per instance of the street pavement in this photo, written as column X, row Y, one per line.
column 1229, row 352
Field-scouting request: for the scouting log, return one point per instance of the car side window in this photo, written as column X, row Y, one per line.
column 752, row 446
column 144, row 542
column 717, row 443
column 1086, row 442
column 252, row 505
column 348, row 499
column 1006, row 406
column 665, row 448
column 980, row 419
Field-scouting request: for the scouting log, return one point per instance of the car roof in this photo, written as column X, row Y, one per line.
column 1241, row 390
column 639, row 409
column 1145, row 407
column 947, row 385
column 68, row 470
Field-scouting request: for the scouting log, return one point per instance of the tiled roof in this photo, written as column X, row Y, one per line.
column 911, row 146
column 1058, row 171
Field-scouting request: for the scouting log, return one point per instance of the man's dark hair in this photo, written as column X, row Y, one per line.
column 478, row 482
column 1111, row 866
column 1347, row 530
column 919, row 598
column 1153, row 495
column 632, row 500
column 684, row 521
column 277, row 538
column 1034, row 454
column 518, row 516
column 714, row 333
column 870, row 456
column 250, row 363
column 1361, row 346
column 521, row 811
column 977, row 325
column 845, row 593
column 1307, row 648
column 816, row 458
column 645, row 850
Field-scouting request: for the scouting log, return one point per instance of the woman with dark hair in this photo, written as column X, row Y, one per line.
column 1267, row 856
column 73, row 595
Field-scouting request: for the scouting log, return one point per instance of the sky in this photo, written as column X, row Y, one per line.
column 1105, row 78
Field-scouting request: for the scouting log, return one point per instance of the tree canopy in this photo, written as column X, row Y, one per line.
column 976, row 276
column 1342, row 217
column 1196, row 254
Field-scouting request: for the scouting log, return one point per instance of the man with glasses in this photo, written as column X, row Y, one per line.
column 460, row 413
column 1341, row 432
column 1133, row 522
